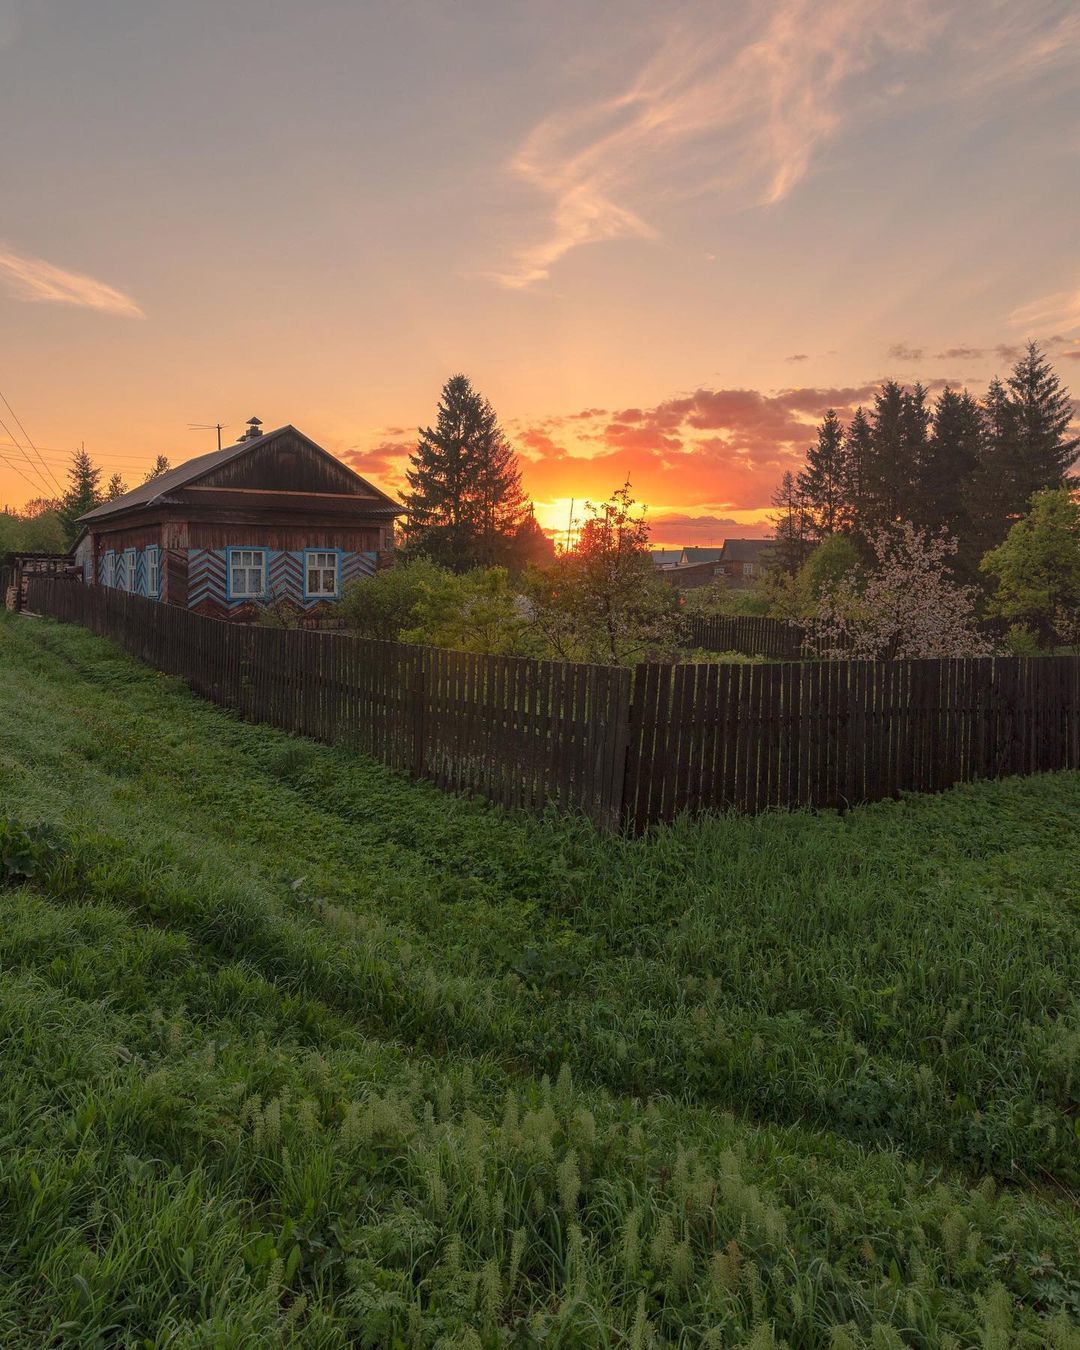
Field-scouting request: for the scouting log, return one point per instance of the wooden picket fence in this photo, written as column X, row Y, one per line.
column 625, row 748
column 748, row 634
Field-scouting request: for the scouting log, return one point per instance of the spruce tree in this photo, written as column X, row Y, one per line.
column 823, row 483
column 499, row 505
column 948, row 469
column 1042, row 411
column 465, row 499
column 858, row 453
column 82, row 496
column 888, row 476
column 115, row 487
column 793, row 525
column 161, row 465
column 993, row 493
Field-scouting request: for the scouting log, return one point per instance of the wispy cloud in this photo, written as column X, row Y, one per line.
column 35, row 280
column 903, row 351
column 737, row 103
column 1058, row 310
column 757, row 101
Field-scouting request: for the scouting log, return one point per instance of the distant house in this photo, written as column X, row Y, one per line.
column 665, row 557
column 273, row 518
column 739, row 561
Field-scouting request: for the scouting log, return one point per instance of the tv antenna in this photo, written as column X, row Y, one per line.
column 209, row 426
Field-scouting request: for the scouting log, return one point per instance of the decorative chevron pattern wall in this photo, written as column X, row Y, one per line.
column 286, row 574
column 206, row 577
column 355, row 565
column 208, row 581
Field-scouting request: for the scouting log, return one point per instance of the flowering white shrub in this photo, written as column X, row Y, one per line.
column 908, row 606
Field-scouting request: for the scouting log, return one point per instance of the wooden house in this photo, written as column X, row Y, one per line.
column 274, row 518
column 741, row 562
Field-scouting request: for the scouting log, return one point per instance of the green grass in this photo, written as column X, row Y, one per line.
column 296, row 1052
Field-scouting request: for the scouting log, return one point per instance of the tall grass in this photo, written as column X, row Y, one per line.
column 296, row 1052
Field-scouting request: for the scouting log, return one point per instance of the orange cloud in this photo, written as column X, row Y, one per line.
column 37, row 281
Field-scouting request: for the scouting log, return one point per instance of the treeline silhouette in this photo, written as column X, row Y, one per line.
column 964, row 465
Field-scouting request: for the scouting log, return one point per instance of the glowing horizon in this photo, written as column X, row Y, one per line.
column 662, row 241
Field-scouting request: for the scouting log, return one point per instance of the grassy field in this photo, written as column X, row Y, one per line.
column 294, row 1052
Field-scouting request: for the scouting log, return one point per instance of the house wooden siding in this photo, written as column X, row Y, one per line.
column 280, row 497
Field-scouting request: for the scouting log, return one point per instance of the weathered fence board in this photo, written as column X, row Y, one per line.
column 622, row 748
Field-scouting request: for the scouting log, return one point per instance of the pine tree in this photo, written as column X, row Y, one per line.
column 992, row 489
column 948, row 468
column 115, row 487
column 465, row 500
column 858, row 453
column 499, row 505
column 83, row 494
column 161, row 465
column 793, row 525
column 1042, row 411
column 531, row 547
column 823, row 483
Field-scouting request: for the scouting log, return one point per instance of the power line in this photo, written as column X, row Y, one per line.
column 26, row 434
column 12, row 465
column 42, row 484
column 55, row 454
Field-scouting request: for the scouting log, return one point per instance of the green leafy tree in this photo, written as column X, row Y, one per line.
column 465, row 501
column 11, row 534
column 43, row 532
column 387, row 605
column 83, row 494
column 835, row 560
column 1037, row 566
column 799, row 595
column 474, row 611
column 603, row 601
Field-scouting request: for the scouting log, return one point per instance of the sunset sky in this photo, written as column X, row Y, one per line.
column 662, row 238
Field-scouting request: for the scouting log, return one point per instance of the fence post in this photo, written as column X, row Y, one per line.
column 418, row 686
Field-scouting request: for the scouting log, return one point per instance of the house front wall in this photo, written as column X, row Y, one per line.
column 189, row 563
column 211, row 573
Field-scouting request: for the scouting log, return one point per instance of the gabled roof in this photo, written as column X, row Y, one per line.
column 158, row 490
column 665, row 557
column 746, row 550
column 693, row 555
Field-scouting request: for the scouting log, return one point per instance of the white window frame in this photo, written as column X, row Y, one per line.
column 153, row 572
column 310, row 554
column 748, row 569
column 243, row 560
column 110, row 568
column 131, row 570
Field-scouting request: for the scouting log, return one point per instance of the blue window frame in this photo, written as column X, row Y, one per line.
column 245, row 573
column 322, row 573
column 153, row 572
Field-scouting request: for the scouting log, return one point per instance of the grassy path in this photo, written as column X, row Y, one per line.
column 297, row 1052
